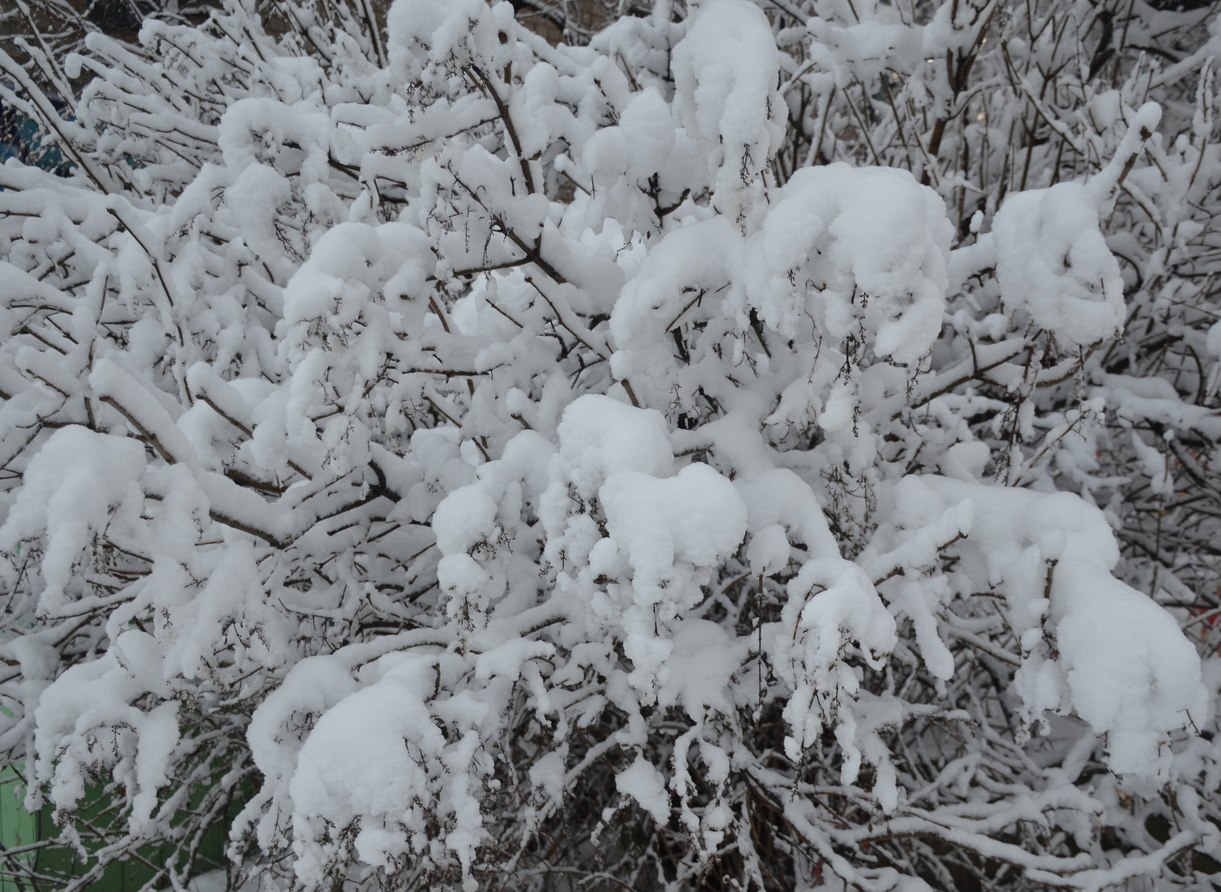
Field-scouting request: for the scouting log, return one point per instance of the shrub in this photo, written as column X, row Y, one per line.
column 758, row 447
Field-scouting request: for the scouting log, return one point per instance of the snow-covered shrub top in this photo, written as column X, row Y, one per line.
column 765, row 443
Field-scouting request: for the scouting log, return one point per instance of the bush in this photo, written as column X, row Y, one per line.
column 758, row 447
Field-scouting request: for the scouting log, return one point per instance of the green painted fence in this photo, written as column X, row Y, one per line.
column 32, row 860
column 18, row 828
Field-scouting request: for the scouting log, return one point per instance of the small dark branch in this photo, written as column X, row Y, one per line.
column 489, row 89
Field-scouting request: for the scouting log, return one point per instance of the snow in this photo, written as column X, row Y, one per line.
column 726, row 70
column 769, row 550
column 257, row 130
column 678, row 282
column 645, row 784
column 1130, row 672
column 600, row 436
column 463, row 519
column 470, row 446
column 71, row 489
column 1052, row 262
column 779, row 497
column 1121, row 661
column 310, row 687
column 445, row 34
column 831, row 603
column 701, row 668
column 864, row 48
column 647, row 125
column 356, row 761
column 1214, row 339
column 159, row 737
column 915, row 604
column 853, row 246
column 695, row 517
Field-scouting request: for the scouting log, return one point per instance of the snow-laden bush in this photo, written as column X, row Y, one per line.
column 766, row 447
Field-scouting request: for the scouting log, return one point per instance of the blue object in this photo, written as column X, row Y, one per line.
column 22, row 137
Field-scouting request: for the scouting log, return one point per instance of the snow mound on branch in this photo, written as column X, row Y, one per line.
column 1129, row 670
column 831, row 603
column 602, row 436
column 636, row 539
column 1094, row 646
column 91, row 709
column 644, row 783
column 725, row 72
column 648, row 131
column 69, row 490
column 291, row 138
column 702, row 664
column 1052, row 261
column 312, row 686
column 865, row 50
column 680, row 275
column 357, row 761
column 390, row 771
column 443, row 37
column 854, row 247
column 694, row 517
